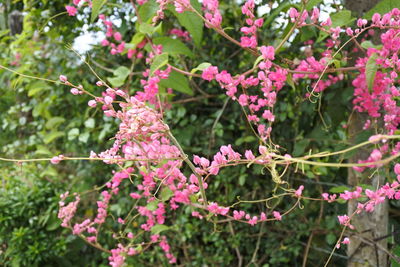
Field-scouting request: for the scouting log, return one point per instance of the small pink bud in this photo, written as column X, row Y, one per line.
column 75, row 91
column 92, row 103
column 99, row 83
column 63, row 78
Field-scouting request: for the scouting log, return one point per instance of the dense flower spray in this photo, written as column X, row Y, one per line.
column 150, row 160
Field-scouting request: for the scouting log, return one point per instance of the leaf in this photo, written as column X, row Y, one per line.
column 156, row 229
column 289, row 80
column 52, row 136
column 37, row 87
column 42, row 150
column 166, row 194
column 84, row 137
column 73, row 133
column 200, row 67
column 369, row 44
column 137, row 38
column 312, row 3
column 178, row 82
column 122, row 72
column 148, row 10
column 54, row 122
column 89, row 123
column 158, row 62
column 152, row 206
column 96, row 6
column 370, row 70
column 338, row 189
column 146, row 28
column 300, row 147
column 192, row 22
column 173, row 46
column 382, row 7
column 116, row 81
column 258, row 60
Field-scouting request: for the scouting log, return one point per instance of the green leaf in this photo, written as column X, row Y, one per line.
column 289, row 80
column 148, row 10
column 300, row 147
column 84, row 137
column 116, row 82
column 395, row 251
column 370, row 70
column 137, row 38
column 330, row 238
column 89, row 123
column 258, row 60
column 173, row 46
column 42, row 150
column 383, row 6
column 192, row 22
column 54, row 122
column 73, row 133
column 312, row 3
column 158, row 62
column 52, row 136
column 200, row 67
column 152, row 206
column 36, row 87
column 166, row 194
column 178, row 82
column 122, row 72
column 338, row 189
column 369, row 44
column 96, row 6
column 146, row 28
column 156, row 229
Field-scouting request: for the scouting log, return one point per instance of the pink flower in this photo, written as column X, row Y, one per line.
column 75, row 91
column 117, row 36
column 315, row 15
column 108, row 100
column 56, row 159
column 76, row 2
column 299, row 191
column 397, row 168
column 63, row 78
column 346, row 241
column 253, row 221
column 293, row 14
column 92, row 103
column 277, row 215
column 209, row 73
column 268, row 52
column 71, row 10
column 328, row 22
column 249, row 155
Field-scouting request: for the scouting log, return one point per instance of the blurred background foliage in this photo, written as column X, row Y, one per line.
column 42, row 119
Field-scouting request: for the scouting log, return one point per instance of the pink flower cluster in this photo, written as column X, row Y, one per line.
column 270, row 81
column 180, row 33
column 212, row 14
column 253, row 24
column 72, row 10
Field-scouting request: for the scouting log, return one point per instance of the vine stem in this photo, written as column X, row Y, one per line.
column 192, row 167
